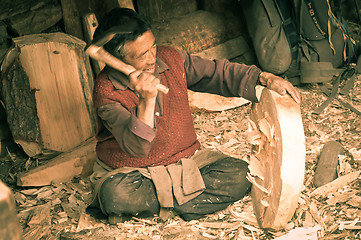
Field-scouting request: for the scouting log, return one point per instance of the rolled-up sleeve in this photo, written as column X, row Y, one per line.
column 221, row 77
column 134, row 136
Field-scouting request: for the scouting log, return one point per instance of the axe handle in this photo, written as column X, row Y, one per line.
column 100, row 54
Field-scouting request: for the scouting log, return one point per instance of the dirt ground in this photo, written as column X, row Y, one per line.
column 58, row 211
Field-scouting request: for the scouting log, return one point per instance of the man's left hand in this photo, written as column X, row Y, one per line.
column 279, row 85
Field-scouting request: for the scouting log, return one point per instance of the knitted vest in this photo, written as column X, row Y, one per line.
column 175, row 138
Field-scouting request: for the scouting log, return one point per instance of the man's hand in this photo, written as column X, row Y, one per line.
column 279, row 85
column 145, row 84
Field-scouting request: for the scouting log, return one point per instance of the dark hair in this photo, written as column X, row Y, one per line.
column 121, row 17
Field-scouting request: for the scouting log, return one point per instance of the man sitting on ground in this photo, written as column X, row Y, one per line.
column 149, row 158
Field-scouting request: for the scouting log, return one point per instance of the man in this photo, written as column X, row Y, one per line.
column 150, row 161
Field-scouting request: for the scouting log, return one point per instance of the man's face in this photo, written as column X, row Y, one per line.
column 141, row 53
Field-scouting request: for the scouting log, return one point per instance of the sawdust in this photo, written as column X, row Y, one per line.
column 58, row 211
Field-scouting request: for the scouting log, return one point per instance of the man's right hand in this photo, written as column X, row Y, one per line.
column 145, row 84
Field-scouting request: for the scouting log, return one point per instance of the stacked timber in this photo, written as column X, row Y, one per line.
column 46, row 87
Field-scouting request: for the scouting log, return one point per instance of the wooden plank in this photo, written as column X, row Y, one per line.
column 78, row 162
column 9, row 225
column 338, row 183
column 48, row 93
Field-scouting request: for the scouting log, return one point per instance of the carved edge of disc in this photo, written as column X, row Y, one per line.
column 275, row 197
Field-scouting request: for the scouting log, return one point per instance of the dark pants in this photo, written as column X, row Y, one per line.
column 134, row 194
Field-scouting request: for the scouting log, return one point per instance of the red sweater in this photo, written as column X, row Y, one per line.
column 175, row 137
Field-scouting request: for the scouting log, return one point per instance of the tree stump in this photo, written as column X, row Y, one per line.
column 46, row 87
column 277, row 162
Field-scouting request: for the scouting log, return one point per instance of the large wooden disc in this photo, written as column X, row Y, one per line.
column 277, row 162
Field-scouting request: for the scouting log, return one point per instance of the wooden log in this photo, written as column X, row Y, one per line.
column 78, row 162
column 196, row 31
column 158, row 10
column 47, row 88
column 36, row 20
column 326, row 170
column 72, row 19
column 14, row 7
column 9, row 225
column 277, row 162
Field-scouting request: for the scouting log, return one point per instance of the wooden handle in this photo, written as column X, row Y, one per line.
column 98, row 53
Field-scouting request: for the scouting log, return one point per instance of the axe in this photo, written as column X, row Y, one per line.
column 97, row 51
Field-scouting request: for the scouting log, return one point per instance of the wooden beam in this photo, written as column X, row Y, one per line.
column 90, row 23
column 78, row 162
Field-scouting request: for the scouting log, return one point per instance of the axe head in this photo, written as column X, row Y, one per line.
column 108, row 35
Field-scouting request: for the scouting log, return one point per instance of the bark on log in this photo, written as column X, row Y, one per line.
column 47, row 93
column 36, row 20
column 277, row 162
column 4, row 40
column 9, row 225
column 14, row 7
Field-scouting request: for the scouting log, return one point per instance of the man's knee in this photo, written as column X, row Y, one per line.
column 130, row 194
column 227, row 176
